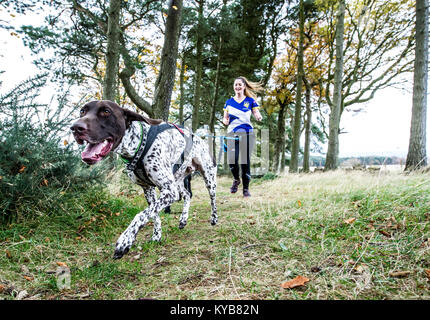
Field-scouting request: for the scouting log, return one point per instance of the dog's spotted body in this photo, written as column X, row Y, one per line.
column 107, row 127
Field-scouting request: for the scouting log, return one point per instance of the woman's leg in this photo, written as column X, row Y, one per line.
column 233, row 162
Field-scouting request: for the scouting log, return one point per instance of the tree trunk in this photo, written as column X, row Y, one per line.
column 294, row 162
column 166, row 77
column 112, row 51
column 417, row 156
column 199, row 68
column 280, row 138
column 215, row 98
column 334, row 122
column 308, row 122
column 182, row 90
column 270, row 126
column 282, row 165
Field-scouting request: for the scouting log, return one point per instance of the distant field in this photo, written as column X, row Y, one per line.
column 354, row 235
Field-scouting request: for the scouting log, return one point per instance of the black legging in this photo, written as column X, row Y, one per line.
column 243, row 147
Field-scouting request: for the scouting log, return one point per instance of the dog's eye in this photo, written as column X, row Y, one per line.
column 106, row 112
column 82, row 112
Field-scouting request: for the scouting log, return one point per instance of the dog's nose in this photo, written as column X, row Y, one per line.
column 79, row 127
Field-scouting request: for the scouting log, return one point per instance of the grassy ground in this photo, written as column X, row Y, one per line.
column 353, row 235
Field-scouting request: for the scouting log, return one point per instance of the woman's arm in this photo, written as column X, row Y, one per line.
column 226, row 119
column 257, row 114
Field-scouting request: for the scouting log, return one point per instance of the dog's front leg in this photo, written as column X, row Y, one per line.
column 167, row 196
column 127, row 238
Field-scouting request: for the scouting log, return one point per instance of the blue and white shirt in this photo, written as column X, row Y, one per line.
column 240, row 114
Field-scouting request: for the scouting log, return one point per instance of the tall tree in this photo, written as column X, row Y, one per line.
column 112, row 51
column 294, row 163
column 166, row 75
column 333, row 140
column 199, row 66
column 417, row 156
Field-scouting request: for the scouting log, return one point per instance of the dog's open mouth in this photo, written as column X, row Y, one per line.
column 95, row 152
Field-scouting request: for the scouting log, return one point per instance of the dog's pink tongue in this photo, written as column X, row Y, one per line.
column 92, row 152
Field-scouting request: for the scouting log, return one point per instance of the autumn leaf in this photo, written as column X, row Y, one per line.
column 385, row 233
column 299, row 203
column 296, row 282
column 28, row 278
column 349, row 221
column 45, row 182
column 8, row 254
column 399, row 274
column 427, row 271
column 21, row 170
column 65, row 142
column 61, row 264
column 165, row 14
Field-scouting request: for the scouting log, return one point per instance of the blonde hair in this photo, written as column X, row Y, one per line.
column 251, row 88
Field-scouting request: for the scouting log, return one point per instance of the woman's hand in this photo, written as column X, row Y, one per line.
column 257, row 115
column 226, row 119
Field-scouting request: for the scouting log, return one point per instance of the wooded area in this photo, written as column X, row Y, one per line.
column 177, row 59
column 356, row 233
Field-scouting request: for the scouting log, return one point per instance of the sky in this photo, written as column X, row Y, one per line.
column 381, row 129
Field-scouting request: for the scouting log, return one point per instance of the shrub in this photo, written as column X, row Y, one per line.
column 36, row 166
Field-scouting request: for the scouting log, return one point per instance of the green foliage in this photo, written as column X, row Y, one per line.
column 36, row 165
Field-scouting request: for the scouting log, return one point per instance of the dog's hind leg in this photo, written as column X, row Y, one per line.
column 208, row 172
column 186, row 196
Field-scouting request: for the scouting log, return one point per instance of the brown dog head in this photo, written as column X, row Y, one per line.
column 102, row 124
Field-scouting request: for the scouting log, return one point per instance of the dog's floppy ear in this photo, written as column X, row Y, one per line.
column 133, row 116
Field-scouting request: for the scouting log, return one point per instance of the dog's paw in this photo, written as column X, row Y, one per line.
column 119, row 253
column 214, row 221
column 156, row 238
column 182, row 224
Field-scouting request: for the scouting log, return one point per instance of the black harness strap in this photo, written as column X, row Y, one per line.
column 137, row 166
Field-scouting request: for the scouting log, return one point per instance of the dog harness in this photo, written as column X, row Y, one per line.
column 136, row 165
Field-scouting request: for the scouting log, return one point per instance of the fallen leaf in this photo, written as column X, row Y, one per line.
column 62, row 264
column 385, row 233
column 315, row 269
column 45, row 182
column 8, row 254
column 296, row 282
column 2, row 288
column 65, row 142
column 427, row 271
column 399, row 274
column 28, row 278
column 359, row 269
column 21, row 170
column 165, row 14
column 299, row 203
column 349, row 221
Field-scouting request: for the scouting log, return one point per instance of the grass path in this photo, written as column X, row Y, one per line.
column 353, row 235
